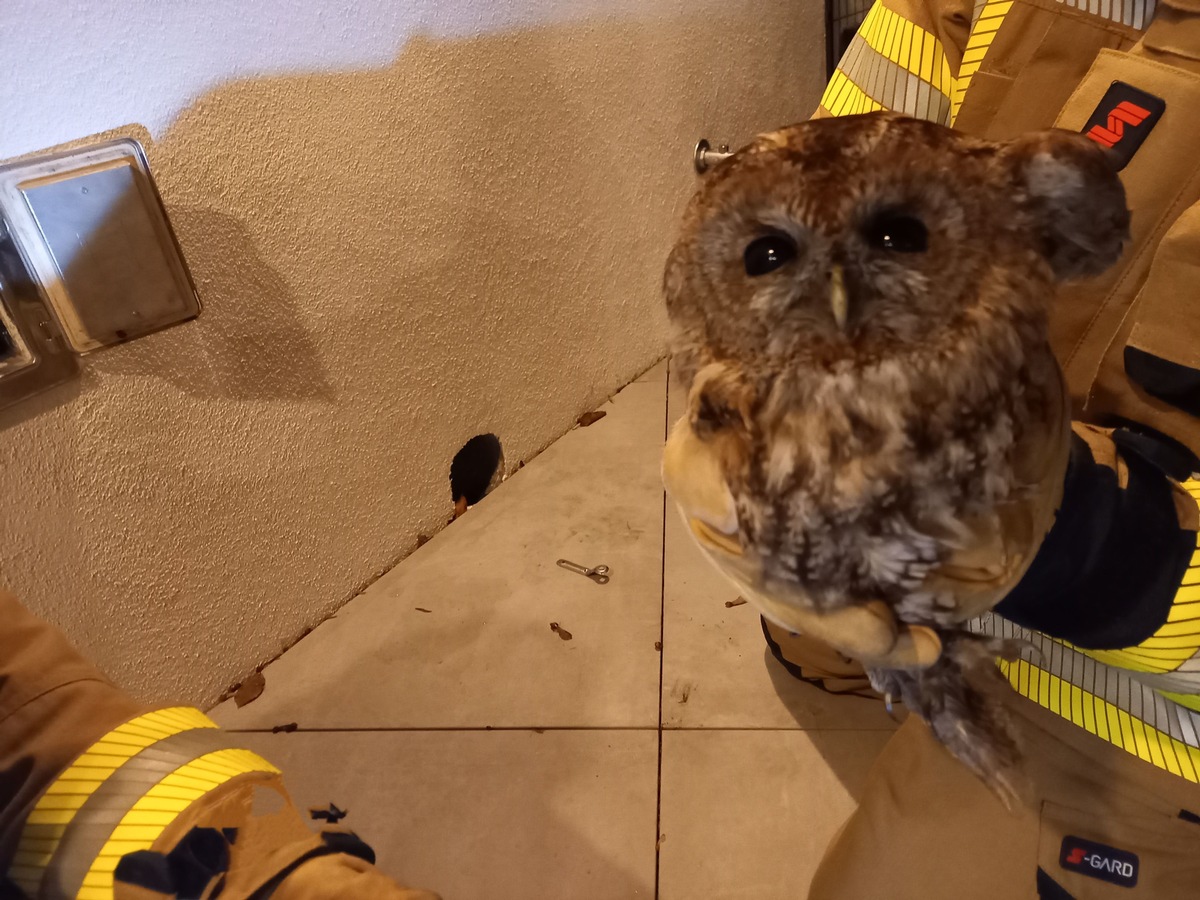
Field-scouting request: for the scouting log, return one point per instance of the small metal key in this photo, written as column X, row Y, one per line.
column 599, row 574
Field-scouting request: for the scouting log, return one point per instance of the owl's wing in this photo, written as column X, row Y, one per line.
column 1001, row 545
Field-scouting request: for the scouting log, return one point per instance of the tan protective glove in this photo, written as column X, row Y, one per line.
column 867, row 632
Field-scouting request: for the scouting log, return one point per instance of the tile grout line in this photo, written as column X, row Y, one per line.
column 487, row 729
column 662, row 637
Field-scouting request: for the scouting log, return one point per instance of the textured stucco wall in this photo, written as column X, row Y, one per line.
column 409, row 223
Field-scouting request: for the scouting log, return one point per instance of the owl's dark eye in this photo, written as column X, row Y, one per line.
column 768, row 253
column 898, row 232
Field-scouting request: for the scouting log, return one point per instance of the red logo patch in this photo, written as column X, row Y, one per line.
column 1125, row 113
column 1123, row 120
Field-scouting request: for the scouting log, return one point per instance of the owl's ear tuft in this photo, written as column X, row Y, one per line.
column 1075, row 198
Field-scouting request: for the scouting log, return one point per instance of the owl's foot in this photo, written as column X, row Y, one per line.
column 959, row 697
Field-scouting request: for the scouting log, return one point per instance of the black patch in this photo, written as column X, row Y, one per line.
column 145, row 869
column 1049, row 889
column 196, row 861
column 349, row 843
column 331, row 815
column 1161, row 450
column 1123, row 120
column 1112, row 561
column 194, row 865
column 1189, row 816
column 1119, row 867
column 1177, row 384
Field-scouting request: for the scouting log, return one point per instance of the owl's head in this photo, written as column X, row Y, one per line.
column 862, row 237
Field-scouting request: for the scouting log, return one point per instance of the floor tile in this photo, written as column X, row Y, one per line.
column 717, row 672
column 748, row 814
column 676, row 394
column 489, row 815
column 484, row 653
column 656, row 373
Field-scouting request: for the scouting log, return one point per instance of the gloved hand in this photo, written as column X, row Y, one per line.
column 869, row 632
column 206, row 863
column 993, row 550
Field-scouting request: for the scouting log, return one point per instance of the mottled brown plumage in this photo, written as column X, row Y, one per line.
column 860, row 311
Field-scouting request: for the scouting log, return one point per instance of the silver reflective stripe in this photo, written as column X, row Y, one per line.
column 975, row 13
column 93, row 824
column 892, row 85
column 1134, row 13
column 1125, row 690
column 1181, row 681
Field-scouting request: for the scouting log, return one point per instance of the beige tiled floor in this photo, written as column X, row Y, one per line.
column 485, row 757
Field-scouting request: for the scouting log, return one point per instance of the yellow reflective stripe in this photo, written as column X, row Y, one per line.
column 887, row 28
column 994, row 10
column 1099, row 717
column 906, row 42
column 978, row 44
column 908, row 46
column 55, row 809
column 1137, row 661
column 1075, row 706
column 1176, row 628
column 1172, row 642
column 843, row 97
column 162, row 804
column 872, row 24
column 1189, row 595
column 909, row 51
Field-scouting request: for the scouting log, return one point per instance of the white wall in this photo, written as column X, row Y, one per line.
column 410, row 223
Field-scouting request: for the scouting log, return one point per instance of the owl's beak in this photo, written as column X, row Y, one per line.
column 837, row 297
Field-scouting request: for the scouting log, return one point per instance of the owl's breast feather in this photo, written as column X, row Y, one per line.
column 692, row 475
column 871, row 524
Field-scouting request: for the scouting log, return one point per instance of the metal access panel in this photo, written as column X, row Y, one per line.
column 92, row 259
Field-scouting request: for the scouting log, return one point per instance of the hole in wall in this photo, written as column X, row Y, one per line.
column 476, row 469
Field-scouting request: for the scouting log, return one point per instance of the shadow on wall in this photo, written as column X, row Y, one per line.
column 249, row 342
column 234, row 352
column 469, row 241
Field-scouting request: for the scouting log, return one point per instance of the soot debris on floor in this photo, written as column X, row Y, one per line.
column 250, row 689
column 332, row 815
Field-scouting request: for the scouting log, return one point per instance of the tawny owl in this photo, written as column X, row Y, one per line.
column 877, row 429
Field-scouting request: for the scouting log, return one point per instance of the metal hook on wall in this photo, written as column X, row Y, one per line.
column 706, row 157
